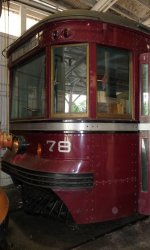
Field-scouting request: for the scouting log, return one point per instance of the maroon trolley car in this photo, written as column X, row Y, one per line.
column 79, row 116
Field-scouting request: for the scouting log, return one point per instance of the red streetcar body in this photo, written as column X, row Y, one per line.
column 75, row 120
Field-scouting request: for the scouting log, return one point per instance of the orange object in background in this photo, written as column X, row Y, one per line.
column 4, row 210
column 5, row 140
column 0, row 139
column 4, row 205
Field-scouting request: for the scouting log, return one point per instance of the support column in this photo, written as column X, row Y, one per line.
column 22, row 18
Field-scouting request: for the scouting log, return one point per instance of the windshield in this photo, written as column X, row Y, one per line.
column 28, row 88
column 69, row 79
column 113, row 81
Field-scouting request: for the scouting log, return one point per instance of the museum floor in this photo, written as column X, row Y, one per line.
column 28, row 232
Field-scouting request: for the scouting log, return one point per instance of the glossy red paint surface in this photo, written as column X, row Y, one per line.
column 111, row 157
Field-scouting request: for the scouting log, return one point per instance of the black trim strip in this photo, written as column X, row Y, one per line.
column 49, row 180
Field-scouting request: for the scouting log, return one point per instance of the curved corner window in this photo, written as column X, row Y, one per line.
column 113, row 82
column 144, row 90
column 69, row 80
column 28, row 88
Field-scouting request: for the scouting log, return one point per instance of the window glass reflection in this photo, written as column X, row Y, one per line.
column 28, row 94
column 144, row 163
column 144, row 99
column 69, row 79
column 113, row 81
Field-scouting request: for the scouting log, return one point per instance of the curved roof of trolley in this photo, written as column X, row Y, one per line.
column 84, row 15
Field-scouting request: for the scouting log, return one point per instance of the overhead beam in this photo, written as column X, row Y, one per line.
column 124, row 12
column 103, row 5
column 90, row 3
column 100, row 4
column 110, row 5
column 144, row 3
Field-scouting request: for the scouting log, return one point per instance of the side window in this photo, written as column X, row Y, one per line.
column 70, row 80
column 144, row 90
column 28, row 88
column 113, row 82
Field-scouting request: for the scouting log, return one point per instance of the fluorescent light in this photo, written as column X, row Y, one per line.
column 54, row 7
column 46, row 4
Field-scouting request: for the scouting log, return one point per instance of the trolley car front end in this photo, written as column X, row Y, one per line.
column 78, row 114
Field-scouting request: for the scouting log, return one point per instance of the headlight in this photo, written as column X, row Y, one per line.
column 15, row 145
column 18, row 144
column 39, row 150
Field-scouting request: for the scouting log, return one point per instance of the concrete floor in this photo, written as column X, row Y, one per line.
column 26, row 232
column 131, row 237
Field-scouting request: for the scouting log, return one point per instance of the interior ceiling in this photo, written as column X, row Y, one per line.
column 138, row 10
